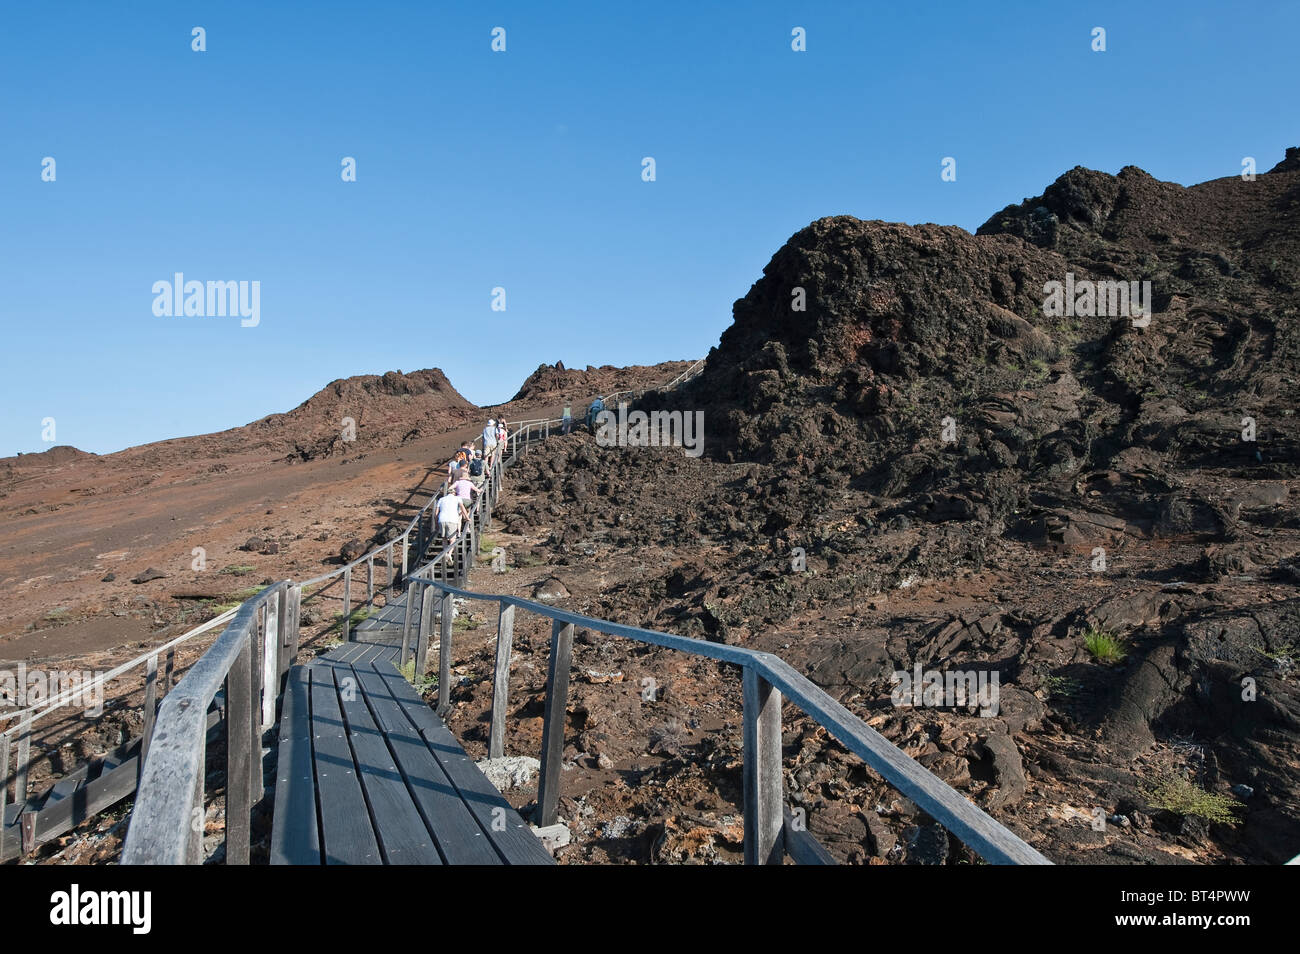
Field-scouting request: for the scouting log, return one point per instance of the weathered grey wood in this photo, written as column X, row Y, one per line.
column 444, row 657
column 348, row 836
column 388, row 590
column 198, row 814
column 406, row 553
column 4, row 792
column 22, row 758
column 246, row 658
column 511, row 837
column 762, row 770
column 295, row 839
column 239, row 756
column 501, row 682
column 429, row 600
column 459, row 838
column 168, row 678
column 557, row 696
column 347, row 604
column 27, row 824
column 160, row 821
column 986, row 837
column 403, row 837
column 413, row 593
column 370, row 579
column 270, row 658
column 295, row 628
column 801, row 846
column 150, row 707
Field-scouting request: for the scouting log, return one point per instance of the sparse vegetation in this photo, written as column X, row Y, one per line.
column 1183, row 797
column 1104, row 646
column 237, row 569
column 1061, row 687
column 422, row 683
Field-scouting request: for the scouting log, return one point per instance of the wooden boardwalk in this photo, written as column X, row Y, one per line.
column 368, row 773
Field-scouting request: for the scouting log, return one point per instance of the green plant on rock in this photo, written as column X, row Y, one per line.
column 1184, row 797
column 1103, row 645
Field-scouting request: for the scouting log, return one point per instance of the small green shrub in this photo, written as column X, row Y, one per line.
column 422, row 683
column 1184, row 797
column 1104, row 646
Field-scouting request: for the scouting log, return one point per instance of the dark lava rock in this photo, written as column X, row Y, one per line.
column 152, row 573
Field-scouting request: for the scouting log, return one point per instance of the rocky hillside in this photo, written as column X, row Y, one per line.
column 1102, row 508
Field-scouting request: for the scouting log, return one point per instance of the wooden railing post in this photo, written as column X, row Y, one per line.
column 4, row 788
column 762, row 770
column 370, row 579
column 239, row 759
column 388, row 593
column 150, row 712
column 412, row 594
column 406, row 554
column 198, row 815
column 426, row 629
column 22, row 757
column 294, row 628
column 501, row 682
column 347, row 604
column 270, row 662
column 444, row 657
column 557, row 697
column 248, row 661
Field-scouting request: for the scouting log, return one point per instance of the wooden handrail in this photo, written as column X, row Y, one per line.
column 171, row 786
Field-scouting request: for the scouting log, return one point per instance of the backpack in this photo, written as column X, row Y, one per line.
column 476, row 467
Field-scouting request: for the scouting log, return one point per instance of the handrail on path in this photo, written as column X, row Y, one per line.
column 264, row 632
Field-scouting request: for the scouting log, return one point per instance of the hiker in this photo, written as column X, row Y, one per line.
column 476, row 466
column 468, row 448
column 592, row 412
column 503, row 436
column 457, row 462
column 450, row 512
column 566, row 419
column 489, row 438
column 464, row 488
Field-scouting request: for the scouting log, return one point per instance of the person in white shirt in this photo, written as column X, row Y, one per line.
column 450, row 512
column 489, row 438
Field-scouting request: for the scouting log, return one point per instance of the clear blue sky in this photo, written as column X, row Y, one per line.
column 522, row 169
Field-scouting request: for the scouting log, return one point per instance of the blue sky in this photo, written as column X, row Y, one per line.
column 522, row 170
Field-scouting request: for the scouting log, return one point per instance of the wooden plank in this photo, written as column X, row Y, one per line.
column 295, row 835
column 239, row 757
column 460, row 839
column 347, row 837
column 403, row 837
column 501, row 682
column 510, row 835
column 800, row 844
column 557, row 697
column 762, row 770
